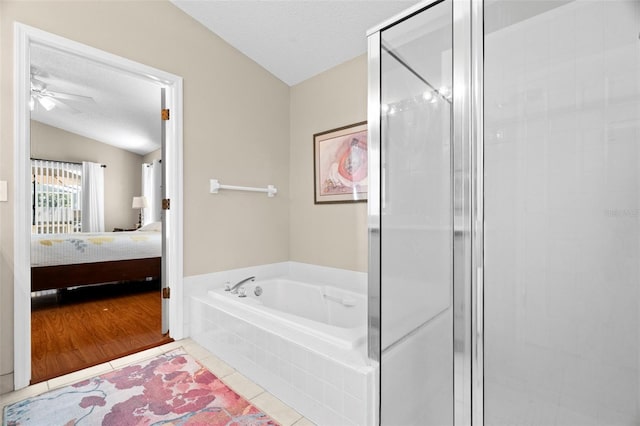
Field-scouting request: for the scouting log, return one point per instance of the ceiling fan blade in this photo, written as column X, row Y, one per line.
column 64, row 106
column 49, row 102
column 37, row 84
column 69, row 96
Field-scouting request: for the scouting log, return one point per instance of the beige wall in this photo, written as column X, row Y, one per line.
column 236, row 129
column 241, row 126
column 155, row 155
column 122, row 176
column 331, row 234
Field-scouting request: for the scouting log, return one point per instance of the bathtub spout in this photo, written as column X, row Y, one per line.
column 235, row 288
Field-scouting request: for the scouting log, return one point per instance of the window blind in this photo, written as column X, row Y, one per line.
column 56, row 197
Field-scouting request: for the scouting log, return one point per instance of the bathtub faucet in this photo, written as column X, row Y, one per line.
column 238, row 285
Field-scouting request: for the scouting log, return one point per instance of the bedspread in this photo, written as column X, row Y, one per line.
column 66, row 249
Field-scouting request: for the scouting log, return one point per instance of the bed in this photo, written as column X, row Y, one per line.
column 71, row 260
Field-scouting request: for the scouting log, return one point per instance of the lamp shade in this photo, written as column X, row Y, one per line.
column 139, row 203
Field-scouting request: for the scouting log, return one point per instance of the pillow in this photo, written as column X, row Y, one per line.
column 151, row 227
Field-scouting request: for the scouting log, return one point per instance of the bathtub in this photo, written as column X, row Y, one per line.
column 334, row 316
column 303, row 342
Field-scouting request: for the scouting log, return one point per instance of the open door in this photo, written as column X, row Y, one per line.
column 25, row 38
column 165, row 293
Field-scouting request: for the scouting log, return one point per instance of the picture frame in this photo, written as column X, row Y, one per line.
column 340, row 165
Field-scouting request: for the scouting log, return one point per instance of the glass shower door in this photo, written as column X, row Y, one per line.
column 416, row 231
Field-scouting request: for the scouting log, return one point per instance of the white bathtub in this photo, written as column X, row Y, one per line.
column 304, row 343
column 332, row 315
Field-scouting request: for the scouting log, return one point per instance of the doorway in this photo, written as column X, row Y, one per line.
column 171, row 230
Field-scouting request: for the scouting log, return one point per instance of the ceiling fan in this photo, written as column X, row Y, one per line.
column 50, row 99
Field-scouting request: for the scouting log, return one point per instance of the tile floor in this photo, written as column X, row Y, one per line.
column 244, row 387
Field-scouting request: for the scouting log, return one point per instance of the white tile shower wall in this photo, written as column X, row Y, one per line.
column 324, row 390
column 562, row 103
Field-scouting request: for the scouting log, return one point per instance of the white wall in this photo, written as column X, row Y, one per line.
column 562, row 192
column 122, row 176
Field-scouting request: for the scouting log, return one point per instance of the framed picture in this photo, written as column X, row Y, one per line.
column 340, row 165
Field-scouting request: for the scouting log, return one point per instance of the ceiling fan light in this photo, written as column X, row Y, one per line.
column 47, row 103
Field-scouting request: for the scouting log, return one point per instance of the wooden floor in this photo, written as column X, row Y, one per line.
column 88, row 326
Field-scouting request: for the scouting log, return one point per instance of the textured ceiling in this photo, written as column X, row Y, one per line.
column 125, row 111
column 294, row 40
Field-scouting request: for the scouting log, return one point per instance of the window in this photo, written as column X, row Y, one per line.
column 56, row 197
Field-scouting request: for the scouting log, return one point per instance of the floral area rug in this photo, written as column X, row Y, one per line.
column 171, row 389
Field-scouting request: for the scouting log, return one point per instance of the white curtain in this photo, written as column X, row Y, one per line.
column 92, row 197
column 152, row 190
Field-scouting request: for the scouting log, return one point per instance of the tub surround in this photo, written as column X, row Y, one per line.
column 328, row 383
column 332, row 316
column 199, row 285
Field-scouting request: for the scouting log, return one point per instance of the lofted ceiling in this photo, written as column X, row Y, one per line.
column 294, row 40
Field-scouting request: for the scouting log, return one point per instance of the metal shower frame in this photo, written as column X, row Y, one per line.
column 468, row 216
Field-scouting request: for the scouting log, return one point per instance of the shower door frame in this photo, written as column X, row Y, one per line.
column 468, row 209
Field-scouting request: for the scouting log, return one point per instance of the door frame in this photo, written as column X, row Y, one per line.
column 24, row 36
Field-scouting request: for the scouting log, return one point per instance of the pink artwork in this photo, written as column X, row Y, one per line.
column 341, row 164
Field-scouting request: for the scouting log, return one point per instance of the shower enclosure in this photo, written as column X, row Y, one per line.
column 504, row 213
